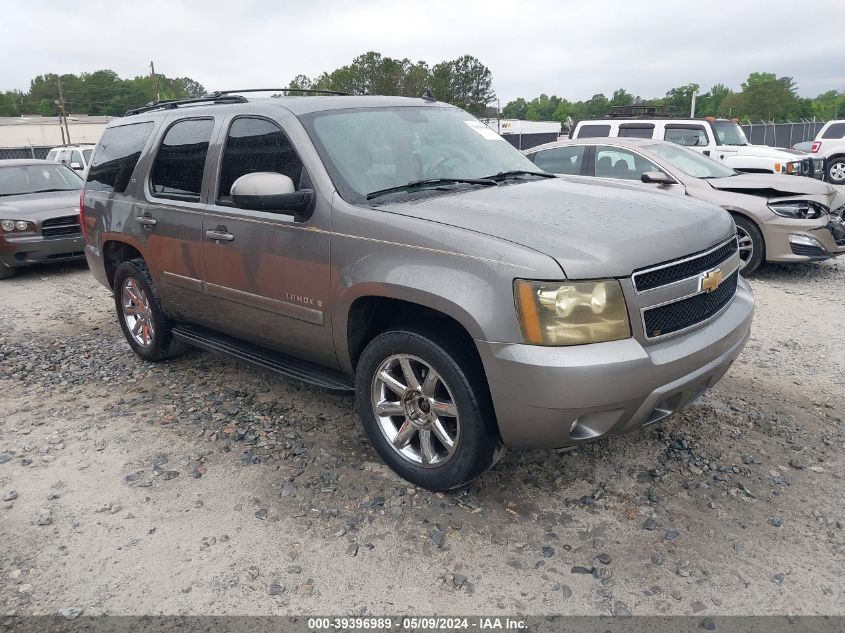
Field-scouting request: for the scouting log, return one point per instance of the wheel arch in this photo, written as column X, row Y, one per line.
column 745, row 215
column 115, row 252
column 374, row 308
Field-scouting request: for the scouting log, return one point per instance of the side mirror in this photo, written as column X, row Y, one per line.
column 76, row 166
column 272, row 192
column 657, row 178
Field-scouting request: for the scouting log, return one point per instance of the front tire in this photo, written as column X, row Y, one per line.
column 424, row 405
column 142, row 319
column 752, row 247
column 6, row 272
column 836, row 171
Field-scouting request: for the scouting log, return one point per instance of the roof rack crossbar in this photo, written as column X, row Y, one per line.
column 310, row 91
column 168, row 104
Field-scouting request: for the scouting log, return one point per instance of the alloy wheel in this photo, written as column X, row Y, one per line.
column 415, row 411
column 137, row 312
column 837, row 172
column 746, row 246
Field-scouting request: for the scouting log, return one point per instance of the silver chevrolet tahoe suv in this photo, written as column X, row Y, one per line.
column 400, row 249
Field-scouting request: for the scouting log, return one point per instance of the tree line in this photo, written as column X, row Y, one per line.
column 465, row 82
column 98, row 93
column 763, row 96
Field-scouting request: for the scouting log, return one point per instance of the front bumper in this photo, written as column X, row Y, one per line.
column 547, row 397
column 790, row 240
column 24, row 250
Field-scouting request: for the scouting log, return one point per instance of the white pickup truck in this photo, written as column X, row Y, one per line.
column 721, row 139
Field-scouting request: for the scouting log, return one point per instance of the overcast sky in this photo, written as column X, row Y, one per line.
column 572, row 49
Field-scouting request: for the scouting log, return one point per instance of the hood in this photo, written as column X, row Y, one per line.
column 39, row 206
column 591, row 230
column 773, row 185
column 770, row 152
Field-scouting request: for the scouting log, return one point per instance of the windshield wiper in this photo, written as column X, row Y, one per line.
column 430, row 182
column 516, row 173
column 51, row 190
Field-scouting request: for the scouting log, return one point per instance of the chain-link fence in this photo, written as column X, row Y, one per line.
column 780, row 134
column 23, row 152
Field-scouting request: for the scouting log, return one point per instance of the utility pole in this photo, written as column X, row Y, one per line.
column 155, row 81
column 692, row 106
column 63, row 114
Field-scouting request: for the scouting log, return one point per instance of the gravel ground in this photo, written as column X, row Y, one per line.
column 204, row 486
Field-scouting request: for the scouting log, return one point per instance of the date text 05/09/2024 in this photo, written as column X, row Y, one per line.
column 421, row 623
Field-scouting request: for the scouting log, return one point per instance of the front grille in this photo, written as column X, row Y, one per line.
column 685, row 313
column 689, row 267
column 59, row 227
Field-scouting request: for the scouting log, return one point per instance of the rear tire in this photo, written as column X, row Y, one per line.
column 752, row 247
column 6, row 272
column 144, row 323
column 434, row 427
column 836, row 170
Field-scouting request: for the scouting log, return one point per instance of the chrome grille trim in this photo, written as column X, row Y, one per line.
column 681, row 261
column 693, row 288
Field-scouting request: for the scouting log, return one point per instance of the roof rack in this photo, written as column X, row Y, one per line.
column 168, row 104
column 220, row 93
column 641, row 111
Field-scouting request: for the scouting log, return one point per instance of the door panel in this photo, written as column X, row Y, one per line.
column 269, row 275
column 170, row 215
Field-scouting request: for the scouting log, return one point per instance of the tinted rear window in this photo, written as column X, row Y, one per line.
column 179, row 164
column 591, row 131
column 116, row 157
column 837, row 130
column 636, row 131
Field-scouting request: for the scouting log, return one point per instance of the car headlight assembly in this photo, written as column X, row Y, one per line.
column 20, row 226
column 796, row 168
column 799, row 209
column 571, row 313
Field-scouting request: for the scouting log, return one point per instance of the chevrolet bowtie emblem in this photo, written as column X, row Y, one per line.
column 711, row 280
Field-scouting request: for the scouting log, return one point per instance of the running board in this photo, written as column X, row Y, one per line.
column 254, row 355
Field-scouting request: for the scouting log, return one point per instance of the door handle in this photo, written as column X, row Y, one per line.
column 146, row 220
column 706, row 152
column 219, row 235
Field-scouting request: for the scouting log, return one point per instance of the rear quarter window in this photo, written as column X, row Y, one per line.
column 837, row 130
column 116, row 157
column 636, row 130
column 592, row 131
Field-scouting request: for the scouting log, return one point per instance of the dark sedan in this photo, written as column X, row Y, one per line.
column 39, row 214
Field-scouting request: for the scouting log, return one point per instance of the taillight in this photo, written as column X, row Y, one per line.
column 82, row 214
column 816, row 147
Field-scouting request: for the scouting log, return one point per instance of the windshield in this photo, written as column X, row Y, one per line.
column 372, row 149
column 690, row 162
column 23, row 179
column 729, row 133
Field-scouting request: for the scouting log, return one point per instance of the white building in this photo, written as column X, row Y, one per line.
column 525, row 134
column 33, row 131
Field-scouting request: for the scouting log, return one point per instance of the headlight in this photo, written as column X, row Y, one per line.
column 9, row 226
column 796, row 168
column 571, row 313
column 799, row 209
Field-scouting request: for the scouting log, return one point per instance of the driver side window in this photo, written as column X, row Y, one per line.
column 619, row 163
column 253, row 145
